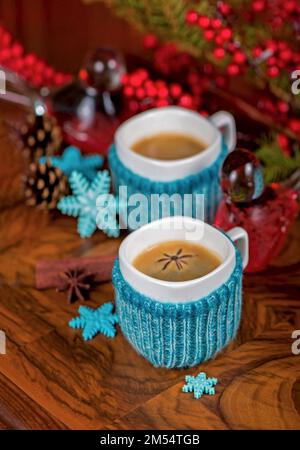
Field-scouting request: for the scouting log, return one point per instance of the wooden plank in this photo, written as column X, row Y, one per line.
column 255, row 391
column 18, row 411
column 85, row 385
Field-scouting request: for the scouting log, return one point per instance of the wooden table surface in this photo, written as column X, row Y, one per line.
column 50, row 378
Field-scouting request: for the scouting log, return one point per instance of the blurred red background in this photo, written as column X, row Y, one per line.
column 61, row 31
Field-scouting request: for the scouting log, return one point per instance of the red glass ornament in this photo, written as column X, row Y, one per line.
column 89, row 109
column 266, row 213
column 242, row 177
column 267, row 221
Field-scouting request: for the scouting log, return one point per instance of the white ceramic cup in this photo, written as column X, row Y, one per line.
column 177, row 120
column 178, row 228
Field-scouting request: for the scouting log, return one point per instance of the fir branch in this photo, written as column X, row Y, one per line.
column 277, row 166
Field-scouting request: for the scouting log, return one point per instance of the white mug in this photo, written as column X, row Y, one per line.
column 177, row 120
column 180, row 228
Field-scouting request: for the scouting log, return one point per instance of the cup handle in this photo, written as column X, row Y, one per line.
column 226, row 123
column 240, row 237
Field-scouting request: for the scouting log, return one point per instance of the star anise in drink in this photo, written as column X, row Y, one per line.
column 76, row 282
column 179, row 259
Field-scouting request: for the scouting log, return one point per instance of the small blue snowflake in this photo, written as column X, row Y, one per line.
column 94, row 321
column 72, row 160
column 200, row 385
column 82, row 203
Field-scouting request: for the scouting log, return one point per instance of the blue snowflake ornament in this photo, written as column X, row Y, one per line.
column 200, row 385
column 72, row 160
column 82, row 203
column 94, row 321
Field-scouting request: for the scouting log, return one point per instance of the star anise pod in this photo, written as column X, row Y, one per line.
column 76, row 282
column 179, row 259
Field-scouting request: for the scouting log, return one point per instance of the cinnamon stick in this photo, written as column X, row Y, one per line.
column 48, row 272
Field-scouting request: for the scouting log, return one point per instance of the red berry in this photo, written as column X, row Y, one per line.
column 286, row 55
column 191, row 17
column 125, row 78
column 17, row 50
column 140, row 93
column 150, row 41
column 282, row 45
column 233, row 69
column 175, row 90
column 58, row 78
column 204, row 113
column 220, row 81
column 208, row 69
column 163, row 92
column 216, row 23
column 295, row 125
column 143, row 74
column 151, row 91
column 135, row 80
column 258, row 5
column 128, row 91
column 219, row 40
column 224, row 8
column 289, row 5
column 239, row 57
column 204, row 22
column 30, row 59
column 219, row 52
column 271, row 45
column 49, row 72
column 273, row 71
column 193, row 78
column 226, row 33
column 272, row 61
column 256, row 52
column 284, row 144
column 186, row 101
column 209, row 35
column 283, row 107
column 133, row 106
column 161, row 102
column 4, row 54
column 6, row 39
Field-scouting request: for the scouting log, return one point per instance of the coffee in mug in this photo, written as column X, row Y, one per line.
column 177, row 261
column 168, row 146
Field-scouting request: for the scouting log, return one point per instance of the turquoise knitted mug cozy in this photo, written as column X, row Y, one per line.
column 205, row 182
column 180, row 334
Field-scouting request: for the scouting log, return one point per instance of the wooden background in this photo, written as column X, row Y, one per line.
column 49, row 377
column 61, row 31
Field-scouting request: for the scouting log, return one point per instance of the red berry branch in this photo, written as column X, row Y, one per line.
column 27, row 65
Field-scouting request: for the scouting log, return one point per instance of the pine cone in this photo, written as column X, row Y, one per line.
column 44, row 185
column 40, row 136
